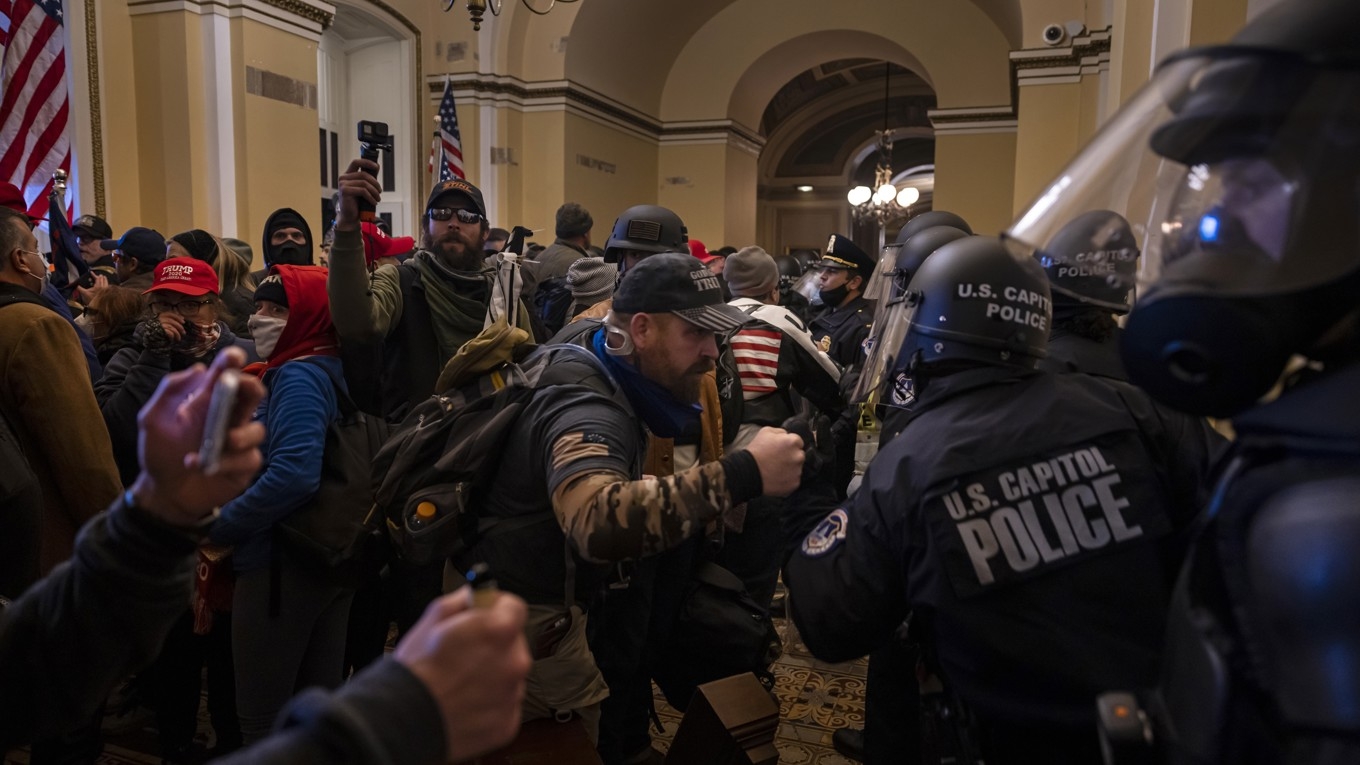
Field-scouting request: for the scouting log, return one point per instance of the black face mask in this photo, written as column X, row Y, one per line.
column 834, row 297
column 289, row 254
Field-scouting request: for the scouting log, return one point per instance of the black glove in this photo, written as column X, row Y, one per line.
column 151, row 334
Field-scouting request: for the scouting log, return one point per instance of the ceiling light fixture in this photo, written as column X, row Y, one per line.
column 478, row 7
column 884, row 201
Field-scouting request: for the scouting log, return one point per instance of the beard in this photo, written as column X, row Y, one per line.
column 454, row 250
column 683, row 384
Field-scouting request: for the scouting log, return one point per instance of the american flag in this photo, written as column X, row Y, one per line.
column 450, row 141
column 756, row 352
column 33, row 104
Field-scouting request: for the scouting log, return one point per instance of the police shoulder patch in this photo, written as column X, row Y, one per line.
column 828, row 533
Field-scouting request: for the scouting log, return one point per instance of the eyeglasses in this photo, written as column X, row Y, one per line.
column 185, row 308
column 464, row 216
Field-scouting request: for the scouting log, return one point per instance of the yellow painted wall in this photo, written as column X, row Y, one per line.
column 975, row 177
column 167, row 52
column 740, row 214
column 1048, row 136
column 699, row 201
column 119, row 118
column 1130, row 50
column 634, row 182
column 277, row 162
column 1216, row 22
column 538, row 181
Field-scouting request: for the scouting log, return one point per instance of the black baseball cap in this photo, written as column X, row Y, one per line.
column 145, row 244
column 673, row 282
column 457, row 186
column 92, row 226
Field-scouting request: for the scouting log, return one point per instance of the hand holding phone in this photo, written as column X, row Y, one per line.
column 215, row 427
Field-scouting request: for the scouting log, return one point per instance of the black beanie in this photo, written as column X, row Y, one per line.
column 272, row 289
column 198, row 243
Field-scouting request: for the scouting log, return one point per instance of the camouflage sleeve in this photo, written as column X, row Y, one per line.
column 610, row 518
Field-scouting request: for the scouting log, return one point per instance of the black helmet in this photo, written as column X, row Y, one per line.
column 1239, row 171
column 973, row 299
column 647, row 228
column 915, row 250
column 1092, row 261
column 881, row 282
column 908, row 257
column 976, row 300
column 789, row 269
column 930, row 220
column 805, row 258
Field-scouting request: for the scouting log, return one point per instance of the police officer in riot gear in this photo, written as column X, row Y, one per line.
column 1252, row 258
column 877, row 287
column 1027, row 521
column 790, row 271
column 1090, row 264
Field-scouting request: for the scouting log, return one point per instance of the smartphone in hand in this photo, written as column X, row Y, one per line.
column 220, row 409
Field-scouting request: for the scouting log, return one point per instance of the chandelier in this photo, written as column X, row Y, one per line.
column 884, row 201
column 478, row 7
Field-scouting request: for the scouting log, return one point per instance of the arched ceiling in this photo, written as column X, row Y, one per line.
column 707, row 59
column 820, row 119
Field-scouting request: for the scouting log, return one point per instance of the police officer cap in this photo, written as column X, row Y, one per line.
column 843, row 253
column 930, row 220
column 646, row 228
column 1092, row 261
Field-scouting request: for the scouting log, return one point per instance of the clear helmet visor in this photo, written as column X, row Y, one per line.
column 809, row 285
column 880, row 281
column 1236, row 169
column 883, row 349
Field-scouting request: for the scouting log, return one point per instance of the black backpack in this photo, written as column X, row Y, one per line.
column 340, row 529
column 447, row 449
column 552, row 301
column 720, row 631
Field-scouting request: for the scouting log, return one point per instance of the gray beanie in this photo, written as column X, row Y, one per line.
column 573, row 220
column 241, row 248
column 591, row 280
column 751, row 272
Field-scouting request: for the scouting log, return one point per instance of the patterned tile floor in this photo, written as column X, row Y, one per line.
column 815, row 699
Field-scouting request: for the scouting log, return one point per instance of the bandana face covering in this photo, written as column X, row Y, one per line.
column 665, row 416
column 201, row 339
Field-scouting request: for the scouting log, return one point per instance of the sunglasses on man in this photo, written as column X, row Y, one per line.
column 464, row 216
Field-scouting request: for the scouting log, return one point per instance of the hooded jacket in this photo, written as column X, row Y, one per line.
column 299, row 406
column 284, row 217
column 131, row 376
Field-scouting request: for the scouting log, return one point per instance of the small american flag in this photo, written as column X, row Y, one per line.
column 33, row 103
column 450, row 141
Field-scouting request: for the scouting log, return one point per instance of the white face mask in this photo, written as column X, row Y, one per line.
column 83, row 321
column 265, row 331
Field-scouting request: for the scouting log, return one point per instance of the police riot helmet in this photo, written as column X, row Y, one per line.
column 909, row 257
column 646, row 228
column 1091, row 261
column 932, row 219
column 973, row 299
column 878, row 284
column 1238, row 169
column 789, row 269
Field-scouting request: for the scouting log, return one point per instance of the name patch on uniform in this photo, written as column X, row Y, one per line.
column 829, row 532
column 1017, row 522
